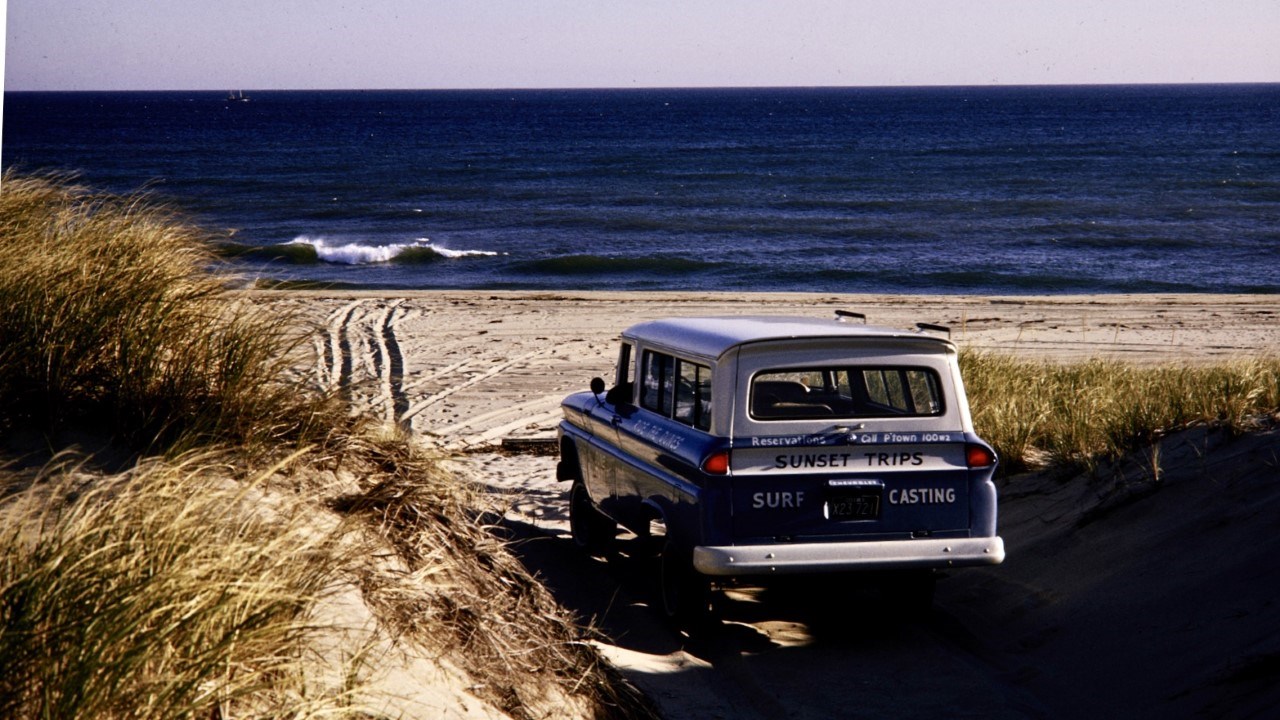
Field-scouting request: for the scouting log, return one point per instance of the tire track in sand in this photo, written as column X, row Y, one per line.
column 391, row 369
column 356, row 339
column 360, row 357
column 543, row 410
column 335, row 361
column 423, row 404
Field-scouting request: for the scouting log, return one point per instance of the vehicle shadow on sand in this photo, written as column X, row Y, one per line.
column 788, row 649
column 605, row 591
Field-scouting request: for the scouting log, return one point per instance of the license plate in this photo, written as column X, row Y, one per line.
column 854, row 505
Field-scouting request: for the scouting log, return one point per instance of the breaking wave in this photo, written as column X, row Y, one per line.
column 306, row 250
column 421, row 250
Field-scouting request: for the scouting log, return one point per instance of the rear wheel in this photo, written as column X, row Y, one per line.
column 591, row 529
column 684, row 593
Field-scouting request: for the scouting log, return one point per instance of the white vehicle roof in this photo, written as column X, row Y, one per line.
column 711, row 337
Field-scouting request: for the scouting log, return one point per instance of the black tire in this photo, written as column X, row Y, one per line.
column 591, row 529
column 684, row 594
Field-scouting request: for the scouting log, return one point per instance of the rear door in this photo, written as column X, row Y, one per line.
column 851, row 439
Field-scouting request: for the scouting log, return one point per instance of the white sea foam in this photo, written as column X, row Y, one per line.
column 425, row 243
column 350, row 253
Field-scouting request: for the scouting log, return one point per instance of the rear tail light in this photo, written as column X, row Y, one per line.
column 979, row 456
column 717, row 463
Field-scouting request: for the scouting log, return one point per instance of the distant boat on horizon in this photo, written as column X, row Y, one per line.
column 236, row 96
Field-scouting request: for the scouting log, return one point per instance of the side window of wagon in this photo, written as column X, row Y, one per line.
column 657, row 382
column 677, row 389
column 693, row 395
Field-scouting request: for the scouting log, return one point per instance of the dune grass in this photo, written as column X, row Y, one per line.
column 188, row 584
column 113, row 321
column 159, row 593
column 1037, row 413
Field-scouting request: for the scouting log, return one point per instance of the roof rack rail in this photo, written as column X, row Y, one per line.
column 934, row 328
column 843, row 315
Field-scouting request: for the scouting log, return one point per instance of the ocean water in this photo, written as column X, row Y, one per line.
column 911, row 190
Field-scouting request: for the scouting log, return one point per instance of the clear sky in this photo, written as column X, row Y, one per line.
column 306, row 44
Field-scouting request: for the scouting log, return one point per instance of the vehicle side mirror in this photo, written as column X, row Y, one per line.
column 597, row 385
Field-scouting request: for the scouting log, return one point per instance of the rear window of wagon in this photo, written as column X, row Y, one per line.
column 845, row 392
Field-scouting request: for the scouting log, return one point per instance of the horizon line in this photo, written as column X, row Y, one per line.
column 975, row 86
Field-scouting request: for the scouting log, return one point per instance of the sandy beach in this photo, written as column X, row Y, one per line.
column 467, row 368
column 1098, row 585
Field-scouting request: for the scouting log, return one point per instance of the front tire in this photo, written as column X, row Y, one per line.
column 592, row 530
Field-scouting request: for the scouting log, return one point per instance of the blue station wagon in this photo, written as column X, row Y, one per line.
column 764, row 446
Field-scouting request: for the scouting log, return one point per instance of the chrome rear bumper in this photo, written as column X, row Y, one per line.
column 786, row 558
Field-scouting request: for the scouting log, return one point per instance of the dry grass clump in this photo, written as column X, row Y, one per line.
column 176, row 589
column 503, row 624
column 113, row 321
column 1076, row 413
column 164, row 592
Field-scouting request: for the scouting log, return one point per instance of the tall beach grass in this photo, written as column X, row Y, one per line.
column 1039, row 412
column 113, row 323
column 189, row 584
column 163, row 592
